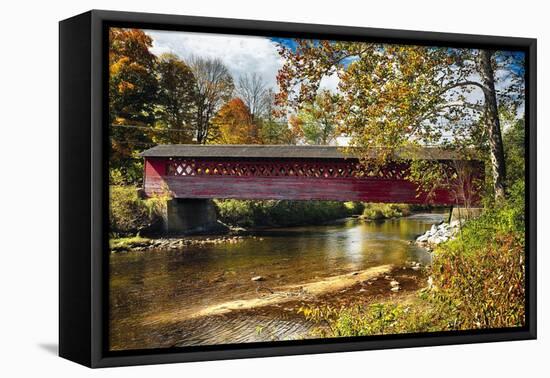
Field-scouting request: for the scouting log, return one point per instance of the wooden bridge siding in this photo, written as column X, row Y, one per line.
column 154, row 169
column 290, row 188
column 284, row 187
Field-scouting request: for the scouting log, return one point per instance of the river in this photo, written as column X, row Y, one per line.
column 204, row 294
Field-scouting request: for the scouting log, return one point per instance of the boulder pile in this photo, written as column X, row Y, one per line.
column 438, row 234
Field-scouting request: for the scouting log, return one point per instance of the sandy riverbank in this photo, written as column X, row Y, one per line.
column 277, row 295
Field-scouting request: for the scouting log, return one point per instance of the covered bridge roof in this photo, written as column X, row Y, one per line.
column 275, row 151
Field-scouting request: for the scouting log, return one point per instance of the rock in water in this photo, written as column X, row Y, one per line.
column 257, row 278
column 394, row 283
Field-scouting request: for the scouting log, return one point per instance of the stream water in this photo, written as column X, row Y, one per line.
column 162, row 298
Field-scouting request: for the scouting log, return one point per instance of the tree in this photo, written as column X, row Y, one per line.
column 214, row 87
column 514, row 143
column 393, row 95
column 492, row 121
column 318, row 119
column 177, row 95
column 254, row 92
column 296, row 124
column 277, row 132
column 132, row 83
column 132, row 96
column 273, row 125
column 233, row 124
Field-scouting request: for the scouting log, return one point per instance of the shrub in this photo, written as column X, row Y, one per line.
column 280, row 213
column 129, row 214
column 485, row 288
column 481, row 274
column 374, row 319
column 376, row 211
column 514, row 152
column 373, row 213
column 130, row 172
column 355, row 208
column 236, row 212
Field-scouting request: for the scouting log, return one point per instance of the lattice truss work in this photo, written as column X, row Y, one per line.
column 296, row 168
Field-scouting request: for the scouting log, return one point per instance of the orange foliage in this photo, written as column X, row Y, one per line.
column 233, row 124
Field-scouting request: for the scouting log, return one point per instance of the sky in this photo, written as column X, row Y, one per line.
column 241, row 54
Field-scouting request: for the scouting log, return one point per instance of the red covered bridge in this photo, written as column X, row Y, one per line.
column 193, row 174
column 291, row 173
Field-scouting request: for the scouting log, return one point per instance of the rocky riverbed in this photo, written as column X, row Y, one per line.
column 143, row 244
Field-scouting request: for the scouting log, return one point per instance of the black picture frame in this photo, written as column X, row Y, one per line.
column 83, row 196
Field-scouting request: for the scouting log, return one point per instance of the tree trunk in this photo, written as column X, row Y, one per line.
column 493, row 124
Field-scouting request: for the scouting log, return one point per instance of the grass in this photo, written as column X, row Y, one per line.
column 407, row 314
column 124, row 243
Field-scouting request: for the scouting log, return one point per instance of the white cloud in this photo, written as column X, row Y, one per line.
column 330, row 82
column 241, row 54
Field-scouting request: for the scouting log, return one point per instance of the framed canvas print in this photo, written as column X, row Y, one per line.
column 233, row 188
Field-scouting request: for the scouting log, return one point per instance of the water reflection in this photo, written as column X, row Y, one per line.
column 145, row 284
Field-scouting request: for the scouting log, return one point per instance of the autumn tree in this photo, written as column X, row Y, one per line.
column 273, row 124
column 296, row 124
column 318, row 119
column 393, row 95
column 277, row 132
column 176, row 100
column 214, row 87
column 254, row 92
column 233, row 124
column 132, row 96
